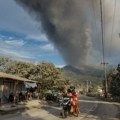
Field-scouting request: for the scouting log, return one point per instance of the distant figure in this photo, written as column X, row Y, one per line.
column 105, row 94
column 11, row 97
column 21, row 97
column 28, row 95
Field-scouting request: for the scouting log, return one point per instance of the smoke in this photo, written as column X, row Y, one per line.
column 68, row 25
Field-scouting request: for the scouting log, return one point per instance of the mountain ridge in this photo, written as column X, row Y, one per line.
column 84, row 73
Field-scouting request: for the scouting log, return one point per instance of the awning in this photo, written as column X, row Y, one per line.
column 30, row 85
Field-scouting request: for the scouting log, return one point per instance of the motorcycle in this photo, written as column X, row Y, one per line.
column 65, row 107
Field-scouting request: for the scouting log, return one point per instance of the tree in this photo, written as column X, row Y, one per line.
column 22, row 69
column 4, row 62
column 47, row 74
column 44, row 72
column 114, row 83
column 115, row 86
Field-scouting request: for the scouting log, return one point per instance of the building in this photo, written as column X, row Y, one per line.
column 12, row 84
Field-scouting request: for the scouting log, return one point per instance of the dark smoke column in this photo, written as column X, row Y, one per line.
column 66, row 25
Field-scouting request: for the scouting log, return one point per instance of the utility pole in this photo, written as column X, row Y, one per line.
column 104, row 63
column 106, row 84
column 87, row 86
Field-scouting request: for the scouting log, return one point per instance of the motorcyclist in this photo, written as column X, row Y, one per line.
column 66, row 103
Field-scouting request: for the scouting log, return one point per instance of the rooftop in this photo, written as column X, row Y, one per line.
column 14, row 77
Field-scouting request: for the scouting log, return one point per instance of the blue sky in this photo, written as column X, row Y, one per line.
column 22, row 38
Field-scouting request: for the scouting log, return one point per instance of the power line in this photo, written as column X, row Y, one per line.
column 112, row 29
column 94, row 13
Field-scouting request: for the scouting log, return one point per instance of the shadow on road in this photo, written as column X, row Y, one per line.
column 20, row 116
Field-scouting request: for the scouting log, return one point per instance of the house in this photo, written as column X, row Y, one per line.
column 13, row 84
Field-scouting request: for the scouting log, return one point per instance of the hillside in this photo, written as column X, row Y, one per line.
column 84, row 73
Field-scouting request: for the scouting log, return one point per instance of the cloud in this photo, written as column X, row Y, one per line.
column 14, row 18
column 2, row 36
column 41, row 37
column 17, row 43
column 75, row 27
column 60, row 66
column 47, row 47
column 27, row 50
column 15, row 54
column 66, row 24
column 14, row 49
column 11, row 41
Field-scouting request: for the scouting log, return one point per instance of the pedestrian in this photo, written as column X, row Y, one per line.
column 74, row 103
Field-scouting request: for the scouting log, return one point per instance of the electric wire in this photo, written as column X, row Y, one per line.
column 97, row 38
column 112, row 31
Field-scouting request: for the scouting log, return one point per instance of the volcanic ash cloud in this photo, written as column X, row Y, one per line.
column 67, row 24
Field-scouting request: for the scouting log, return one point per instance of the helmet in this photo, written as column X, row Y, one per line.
column 72, row 88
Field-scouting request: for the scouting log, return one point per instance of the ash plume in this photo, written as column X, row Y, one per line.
column 67, row 24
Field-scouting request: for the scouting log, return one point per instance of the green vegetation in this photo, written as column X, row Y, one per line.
column 48, row 75
column 44, row 72
column 114, row 83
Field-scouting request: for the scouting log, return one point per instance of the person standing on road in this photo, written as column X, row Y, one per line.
column 74, row 103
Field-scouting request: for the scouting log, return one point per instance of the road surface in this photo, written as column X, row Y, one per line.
column 90, row 108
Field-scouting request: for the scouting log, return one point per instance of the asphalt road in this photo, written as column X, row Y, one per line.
column 90, row 109
column 94, row 109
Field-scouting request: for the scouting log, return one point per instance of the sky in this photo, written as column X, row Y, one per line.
column 22, row 38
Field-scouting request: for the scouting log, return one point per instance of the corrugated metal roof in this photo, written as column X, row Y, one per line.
column 14, row 77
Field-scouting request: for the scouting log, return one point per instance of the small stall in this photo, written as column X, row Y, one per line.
column 12, row 86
